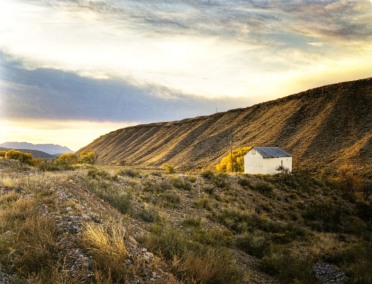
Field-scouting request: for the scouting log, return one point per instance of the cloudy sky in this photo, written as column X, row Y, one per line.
column 72, row 70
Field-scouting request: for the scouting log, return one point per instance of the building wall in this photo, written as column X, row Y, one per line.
column 254, row 163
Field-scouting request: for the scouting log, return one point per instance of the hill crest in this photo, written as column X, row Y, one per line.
column 329, row 125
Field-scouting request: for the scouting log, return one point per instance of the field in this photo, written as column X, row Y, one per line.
column 123, row 225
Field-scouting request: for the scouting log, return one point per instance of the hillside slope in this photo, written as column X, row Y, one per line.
column 329, row 125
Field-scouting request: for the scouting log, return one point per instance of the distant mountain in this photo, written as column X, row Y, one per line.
column 35, row 153
column 321, row 127
column 52, row 149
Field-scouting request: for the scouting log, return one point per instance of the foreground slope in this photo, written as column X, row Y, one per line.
column 108, row 226
column 322, row 126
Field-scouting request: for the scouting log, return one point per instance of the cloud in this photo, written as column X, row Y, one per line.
column 55, row 94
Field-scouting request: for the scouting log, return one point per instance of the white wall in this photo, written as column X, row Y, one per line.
column 255, row 164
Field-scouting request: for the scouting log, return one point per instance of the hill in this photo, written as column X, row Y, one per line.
column 325, row 126
column 35, row 153
column 51, row 149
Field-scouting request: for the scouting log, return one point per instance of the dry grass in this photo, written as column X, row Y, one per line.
column 107, row 246
column 28, row 240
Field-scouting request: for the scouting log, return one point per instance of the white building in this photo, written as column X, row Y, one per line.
column 266, row 160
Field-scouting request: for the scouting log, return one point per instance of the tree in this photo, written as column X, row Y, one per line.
column 88, row 157
column 24, row 158
column 233, row 162
column 67, row 159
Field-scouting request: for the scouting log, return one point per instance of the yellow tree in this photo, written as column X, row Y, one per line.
column 88, row 157
column 234, row 161
column 67, row 159
column 25, row 158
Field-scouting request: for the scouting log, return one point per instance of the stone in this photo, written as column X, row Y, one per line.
column 132, row 241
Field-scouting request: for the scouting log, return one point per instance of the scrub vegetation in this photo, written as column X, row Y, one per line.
column 125, row 225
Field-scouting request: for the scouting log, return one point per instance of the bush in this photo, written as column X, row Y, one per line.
column 244, row 182
column 24, row 158
column 325, row 216
column 181, row 183
column 95, row 173
column 129, row 173
column 280, row 262
column 207, row 175
column 192, row 221
column 264, row 188
column 255, row 245
column 67, row 159
column 169, row 169
column 220, row 180
column 170, row 199
column 192, row 261
column 149, row 214
column 88, row 157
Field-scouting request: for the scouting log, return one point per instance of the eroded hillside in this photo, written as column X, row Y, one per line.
column 330, row 125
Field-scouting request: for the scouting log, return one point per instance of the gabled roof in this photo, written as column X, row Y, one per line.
column 272, row 152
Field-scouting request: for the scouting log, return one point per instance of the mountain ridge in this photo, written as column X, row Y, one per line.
column 325, row 126
column 51, row 149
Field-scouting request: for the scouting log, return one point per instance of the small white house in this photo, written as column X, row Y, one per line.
column 266, row 160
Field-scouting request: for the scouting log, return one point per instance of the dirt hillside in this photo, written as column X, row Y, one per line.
column 325, row 126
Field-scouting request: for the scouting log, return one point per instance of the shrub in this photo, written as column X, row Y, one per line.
column 202, row 202
column 264, row 188
column 192, row 261
column 220, row 180
column 170, row 199
column 244, row 182
column 95, row 173
column 181, row 183
column 207, row 175
column 88, row 157
column 192, row 221
column 169, row 169
column 149, row 214
column 325, row 216
column 213, row 237
column 280, row 262
column 256, row 245
column 129, row 173
column 24, row 158
column 2, row 154
column 67, row 159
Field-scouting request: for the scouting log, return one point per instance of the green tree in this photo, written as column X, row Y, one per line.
column 233, row 162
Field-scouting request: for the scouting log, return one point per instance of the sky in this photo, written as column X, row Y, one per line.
column 72, row 70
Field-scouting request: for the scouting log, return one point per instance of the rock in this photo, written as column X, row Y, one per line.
column 328, row 273
column 68, row 209
column 86, row 218
column 148, row 256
